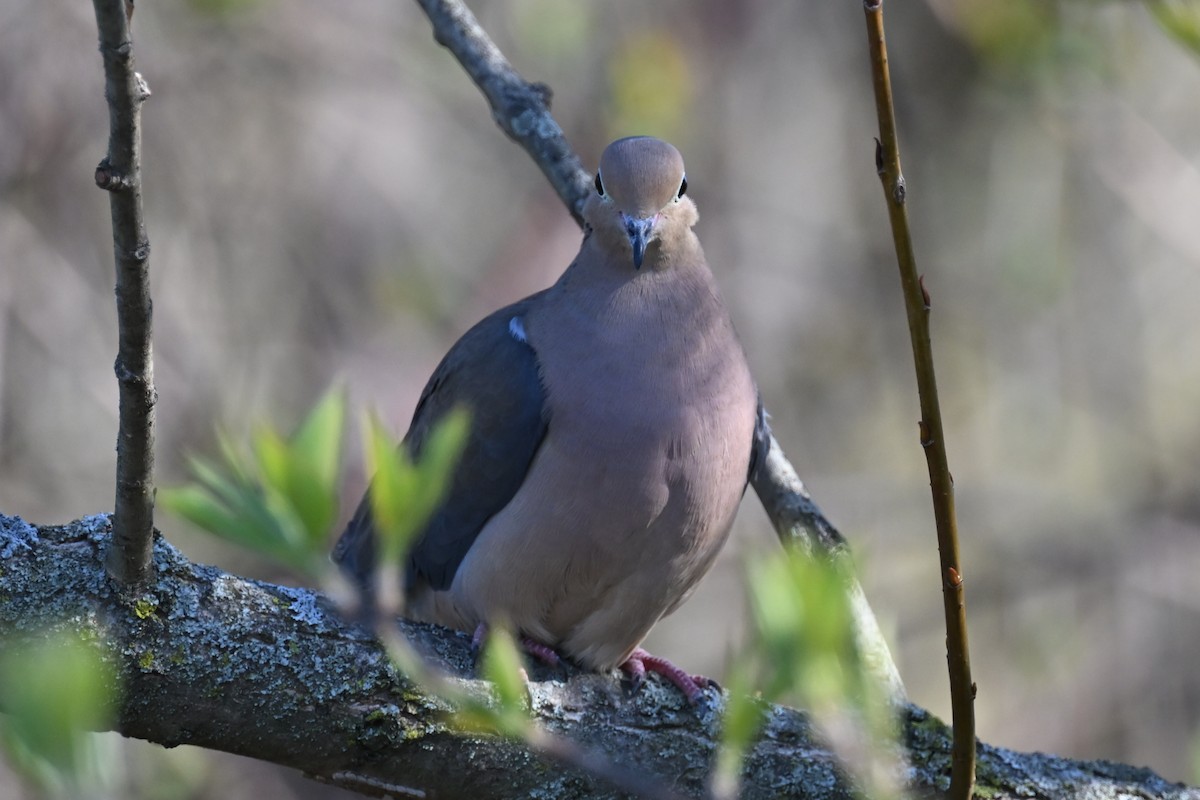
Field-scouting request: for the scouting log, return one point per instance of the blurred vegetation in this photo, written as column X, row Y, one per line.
column 1181, row 19
column 280, row 498
column 405, row 491
column 801, row 652
column 651, row 85
column 55, row 693
column 328, row 201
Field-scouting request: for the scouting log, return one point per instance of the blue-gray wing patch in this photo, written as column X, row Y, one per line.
column 494, row 373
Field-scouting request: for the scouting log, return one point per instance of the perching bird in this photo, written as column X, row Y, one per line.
column 614, row 427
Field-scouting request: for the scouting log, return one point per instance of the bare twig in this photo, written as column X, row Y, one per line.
column 796, row 518
column 120, row 174
column 916, row 302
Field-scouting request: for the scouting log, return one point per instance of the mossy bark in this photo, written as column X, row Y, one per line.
column 271, row 672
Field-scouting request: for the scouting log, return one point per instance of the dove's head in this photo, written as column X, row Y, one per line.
column 638, row 207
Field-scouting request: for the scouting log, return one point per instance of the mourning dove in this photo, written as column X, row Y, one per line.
column 615, row 424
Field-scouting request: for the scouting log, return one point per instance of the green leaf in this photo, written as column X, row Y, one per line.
column 54, row 692
column 303, row 470
column 279, row 496
column 444, row 447
column 198, row 506
column 439, row 457
column 804, row 630
column 501, row 665
column 271, row 456
column 404, row 494
column 393, row 489
column 803, row 622
column 1180, row 19
column 293, row 488
column 233, row 459
column 318, row 440
column 739, row 725
column 224, row 485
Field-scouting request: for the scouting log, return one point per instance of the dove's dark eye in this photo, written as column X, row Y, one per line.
column 682, row 187
column 599, row 185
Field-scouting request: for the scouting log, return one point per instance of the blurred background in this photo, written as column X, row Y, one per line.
column 329, row 201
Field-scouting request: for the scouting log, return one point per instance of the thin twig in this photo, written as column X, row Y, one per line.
column 120, row 174
column 796, row 518
column 917, row 304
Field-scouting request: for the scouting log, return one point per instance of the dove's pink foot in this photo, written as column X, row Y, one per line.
column 640, row 662
column 542, row 652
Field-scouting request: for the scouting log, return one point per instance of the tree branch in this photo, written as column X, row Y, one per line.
column 801, row 525
column 120, row 174
column 520, row 108
column 271, row 672
column 932, row 438
column 796, row 518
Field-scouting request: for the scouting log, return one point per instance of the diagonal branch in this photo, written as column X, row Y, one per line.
column 520, row 108
column 270, row 672
column 522, row 111
column 801, row 525
column 120, row 174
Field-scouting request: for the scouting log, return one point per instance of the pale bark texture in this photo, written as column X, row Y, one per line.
column 271, row 672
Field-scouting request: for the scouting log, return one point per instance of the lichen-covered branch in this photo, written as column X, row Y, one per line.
column 270, row 672
column 120, row 173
